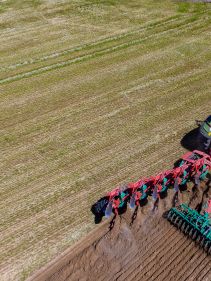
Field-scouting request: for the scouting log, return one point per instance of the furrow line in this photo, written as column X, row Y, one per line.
column 188, row 270
column 147, row 240
column 160, row 251
column 152, row 248
column 205, row 270
column 165, row 255
column 207, row 276
column 181, row 257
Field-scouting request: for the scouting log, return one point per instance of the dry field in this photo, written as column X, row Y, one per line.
column 92, row 94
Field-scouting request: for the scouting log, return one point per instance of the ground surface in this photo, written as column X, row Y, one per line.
column 149, row 249
column 92, row 94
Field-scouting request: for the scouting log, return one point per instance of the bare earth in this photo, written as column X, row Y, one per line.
column 149, row 249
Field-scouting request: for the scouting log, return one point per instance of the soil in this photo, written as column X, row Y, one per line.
column 145, row 248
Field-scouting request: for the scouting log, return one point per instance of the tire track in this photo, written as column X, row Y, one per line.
column 108, row 39
column 99, row 53
column 94, row 43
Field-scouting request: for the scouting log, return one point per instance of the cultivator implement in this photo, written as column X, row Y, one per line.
column 193, row 224
column 192, row 167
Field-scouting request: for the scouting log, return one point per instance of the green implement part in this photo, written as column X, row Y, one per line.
column 193, row 224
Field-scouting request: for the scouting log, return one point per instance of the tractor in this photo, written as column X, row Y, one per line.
column 204, row 135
